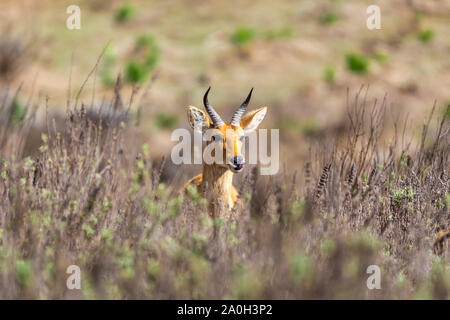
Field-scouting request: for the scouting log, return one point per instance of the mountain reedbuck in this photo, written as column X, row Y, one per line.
column 217, row 176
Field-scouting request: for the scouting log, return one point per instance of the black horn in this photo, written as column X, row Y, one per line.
column 236, row 119
column 215, row 118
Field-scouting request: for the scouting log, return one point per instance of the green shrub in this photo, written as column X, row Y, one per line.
column 138, row 70
column 403, row 195
column 328, row 17
column 426, row 35
column 135, row 72
column 148, row 43
column 125, row 13
column 24, row 273
column 357, row 63
column 19, row 111
column 243, row 36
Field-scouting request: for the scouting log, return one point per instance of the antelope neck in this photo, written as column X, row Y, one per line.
column 219, row 181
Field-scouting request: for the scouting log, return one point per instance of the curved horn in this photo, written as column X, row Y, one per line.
column 236, row 119
column 215, row 118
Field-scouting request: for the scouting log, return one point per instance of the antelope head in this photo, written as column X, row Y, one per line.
column 227, row 136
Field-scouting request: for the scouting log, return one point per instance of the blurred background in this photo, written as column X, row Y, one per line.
column 300, row 56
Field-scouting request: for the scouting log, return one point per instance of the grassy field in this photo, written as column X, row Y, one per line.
column 85, row 171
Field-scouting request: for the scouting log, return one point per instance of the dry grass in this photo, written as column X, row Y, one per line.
column 93, row 198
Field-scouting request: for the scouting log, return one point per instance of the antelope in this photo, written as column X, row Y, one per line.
column 216, row 178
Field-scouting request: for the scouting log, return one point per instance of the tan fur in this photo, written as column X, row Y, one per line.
column 219, row 185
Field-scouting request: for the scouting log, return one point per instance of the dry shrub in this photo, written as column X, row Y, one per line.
column 93, row 199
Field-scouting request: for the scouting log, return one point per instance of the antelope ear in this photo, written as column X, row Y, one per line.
column 251, row 120
column 197, row 118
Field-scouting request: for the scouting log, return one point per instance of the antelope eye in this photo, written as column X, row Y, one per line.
column 216, row 138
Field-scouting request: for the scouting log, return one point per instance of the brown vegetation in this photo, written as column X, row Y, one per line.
column 93, row 199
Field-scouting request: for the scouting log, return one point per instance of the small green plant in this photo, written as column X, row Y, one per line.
column 243, row 36
column 402, row 195
column 125, row 13
column 135, row 72
column 138, row 70
column 398, row 195
column 328, row 18
column 153, row 268
column 148, row 43
column 410, row 193
column 19, row 111
column 174, row 206
column 357, row 63
column 192, row 192
column 426, row 35
column 404, row 160
column 24, row 273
